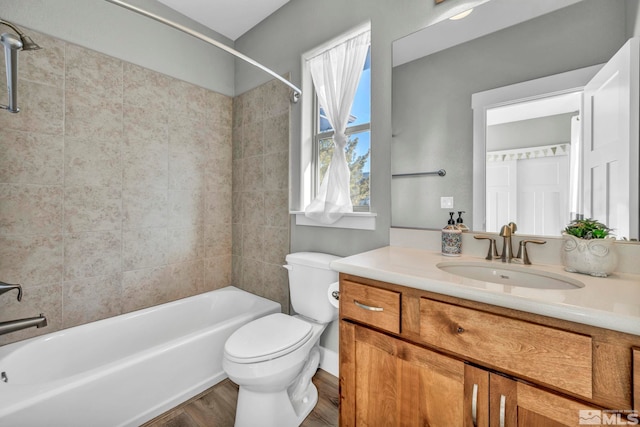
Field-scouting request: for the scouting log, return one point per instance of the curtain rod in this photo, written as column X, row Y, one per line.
column 295, row 96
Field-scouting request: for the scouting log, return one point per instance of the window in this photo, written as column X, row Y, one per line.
column 358, row 149
column 315, row 148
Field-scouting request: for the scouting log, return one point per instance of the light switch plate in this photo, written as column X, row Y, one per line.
column 446, row 202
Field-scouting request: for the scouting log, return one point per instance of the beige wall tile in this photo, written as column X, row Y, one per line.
column 88, row 116
column 186, row 170
column 46, row 65
column 90, row 299
column 31, row 158
column 145, row 288
column 253, row 139
column 30, row 209
column 276, row 208
column 145, row 88
column 253, row 173
column 147, row 125
column 276, row 171
column 217, row 272
column 144, row 208
column 144, row 248
column 217, row 240
column 217, row 207
column 253, row 242
column 41, row 109
column 276, row 135
column 185, row 208
column 89, row 73
column 185, row 279
column 253, row 208
column 91, row 208
column 93, row 162
column 185, row 244
column 92, row 254
column 277, row 241
column 31, row 259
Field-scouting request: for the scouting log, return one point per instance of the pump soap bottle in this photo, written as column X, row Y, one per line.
column 451, row 238
column 460, row 223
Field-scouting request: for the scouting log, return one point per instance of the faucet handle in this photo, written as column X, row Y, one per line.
column 6, row 287
column 493, row 250
column 522, row 250
column 512, row 225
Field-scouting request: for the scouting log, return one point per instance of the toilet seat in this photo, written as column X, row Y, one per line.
column 267, row 338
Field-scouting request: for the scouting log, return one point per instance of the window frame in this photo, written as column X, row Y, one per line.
column 303, row 183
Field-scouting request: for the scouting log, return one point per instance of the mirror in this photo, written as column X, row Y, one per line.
column 433, row 122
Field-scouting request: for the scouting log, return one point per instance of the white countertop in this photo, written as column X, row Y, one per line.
column 612, row 302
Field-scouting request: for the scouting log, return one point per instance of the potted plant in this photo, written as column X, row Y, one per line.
column 588, row 248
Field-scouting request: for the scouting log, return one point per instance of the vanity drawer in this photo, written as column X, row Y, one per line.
column 558, row 358
column 377, row 307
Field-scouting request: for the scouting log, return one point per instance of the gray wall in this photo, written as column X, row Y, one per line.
column 432, row 118
column 530, row 133
column 301, row 25
column 110, row 29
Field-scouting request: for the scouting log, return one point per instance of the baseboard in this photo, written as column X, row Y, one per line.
column 329, row 361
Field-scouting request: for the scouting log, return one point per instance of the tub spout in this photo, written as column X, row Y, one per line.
column 16, row 325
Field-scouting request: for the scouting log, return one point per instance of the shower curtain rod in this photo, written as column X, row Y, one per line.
column 295, row 96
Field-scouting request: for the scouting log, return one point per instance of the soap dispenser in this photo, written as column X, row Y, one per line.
column 460, row 223
column 451, row 238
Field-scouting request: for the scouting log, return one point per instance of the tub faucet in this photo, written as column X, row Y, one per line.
column 507, row 248
column 6, row 287
column 16, row 325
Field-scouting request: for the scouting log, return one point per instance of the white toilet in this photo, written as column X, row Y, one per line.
column 273, row 358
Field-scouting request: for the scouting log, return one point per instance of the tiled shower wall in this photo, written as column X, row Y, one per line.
column 116, row 189
column 260, row 191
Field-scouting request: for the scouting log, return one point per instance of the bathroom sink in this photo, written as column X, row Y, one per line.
column 509, row 274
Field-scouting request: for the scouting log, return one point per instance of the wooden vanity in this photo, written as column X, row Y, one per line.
column 413, row 357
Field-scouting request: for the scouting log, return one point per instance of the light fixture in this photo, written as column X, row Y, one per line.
column 461, row 15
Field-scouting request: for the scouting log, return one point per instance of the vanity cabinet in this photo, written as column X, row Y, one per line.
column 411, row 358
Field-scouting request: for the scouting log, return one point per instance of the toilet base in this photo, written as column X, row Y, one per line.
column 273, row 409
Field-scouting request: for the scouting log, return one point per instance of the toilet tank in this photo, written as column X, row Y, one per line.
column 309, row 280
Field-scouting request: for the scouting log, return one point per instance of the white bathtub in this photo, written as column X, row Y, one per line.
column 124, row 370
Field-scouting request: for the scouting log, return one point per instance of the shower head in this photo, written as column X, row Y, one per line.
column 27, row 42
column 12, row 45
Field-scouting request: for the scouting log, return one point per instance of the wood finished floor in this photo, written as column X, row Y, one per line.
column 216, row 407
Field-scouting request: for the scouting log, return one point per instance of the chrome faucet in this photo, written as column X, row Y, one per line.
column 6, row 287
column 16, row 325
column 507, row 248
column 522, row 255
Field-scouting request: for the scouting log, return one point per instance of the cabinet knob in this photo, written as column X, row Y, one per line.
column 460, row 329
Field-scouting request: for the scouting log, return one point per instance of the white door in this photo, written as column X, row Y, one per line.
column 502, row 187
column 611, row 156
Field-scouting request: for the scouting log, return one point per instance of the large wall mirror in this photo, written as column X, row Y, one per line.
column 559, row 45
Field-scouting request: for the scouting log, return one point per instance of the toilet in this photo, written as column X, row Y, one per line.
column 272, row 359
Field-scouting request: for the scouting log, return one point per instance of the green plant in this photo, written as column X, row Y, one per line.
column 587, row 229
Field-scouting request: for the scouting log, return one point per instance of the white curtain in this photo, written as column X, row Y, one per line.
column 336, row 74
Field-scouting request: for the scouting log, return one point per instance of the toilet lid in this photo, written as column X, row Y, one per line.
column 267, row 338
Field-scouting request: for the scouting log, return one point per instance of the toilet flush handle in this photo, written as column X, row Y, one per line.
column 288, row 267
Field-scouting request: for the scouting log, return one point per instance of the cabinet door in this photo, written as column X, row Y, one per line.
column 513, row 403
column 388, row 382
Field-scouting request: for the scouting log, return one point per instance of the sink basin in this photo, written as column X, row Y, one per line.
column 509, row 274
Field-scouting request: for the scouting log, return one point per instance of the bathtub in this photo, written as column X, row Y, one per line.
column 125, row 370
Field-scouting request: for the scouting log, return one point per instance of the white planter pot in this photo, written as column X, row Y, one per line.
column 596, row 257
